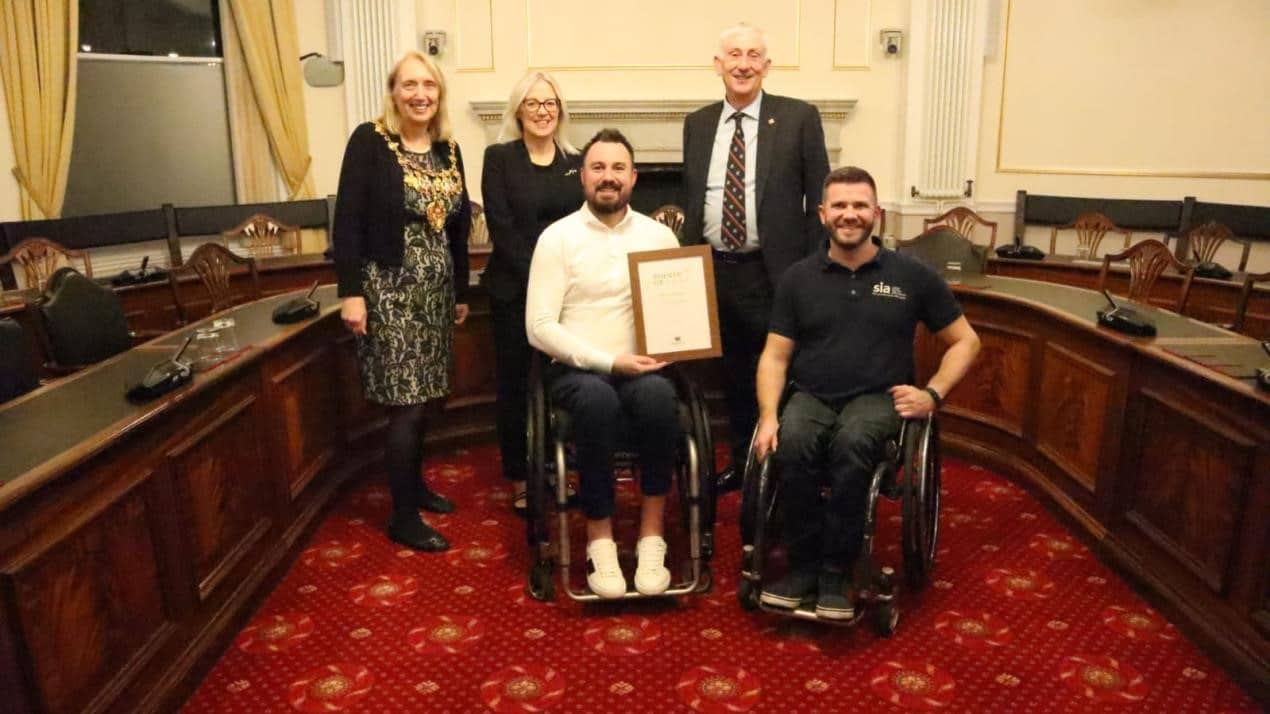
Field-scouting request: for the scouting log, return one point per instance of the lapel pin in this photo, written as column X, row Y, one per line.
column 771, row 122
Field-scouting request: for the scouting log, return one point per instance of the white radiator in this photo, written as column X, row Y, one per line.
column 373, row 35
column 953, row 64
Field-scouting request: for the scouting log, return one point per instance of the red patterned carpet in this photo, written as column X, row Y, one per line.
column 1020, row 618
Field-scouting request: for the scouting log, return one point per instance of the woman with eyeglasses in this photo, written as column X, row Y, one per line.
column 529, row 181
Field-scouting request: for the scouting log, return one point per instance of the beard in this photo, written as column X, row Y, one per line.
column 866, row 232
column 602, row 207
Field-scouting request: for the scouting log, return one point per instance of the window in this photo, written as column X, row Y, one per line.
column 187, row 28
column 150, row 128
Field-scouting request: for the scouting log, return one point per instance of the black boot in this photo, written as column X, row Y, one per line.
column 434, row 502
column 414, row 533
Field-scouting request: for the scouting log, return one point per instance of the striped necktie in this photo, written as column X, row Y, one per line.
column 732, row 231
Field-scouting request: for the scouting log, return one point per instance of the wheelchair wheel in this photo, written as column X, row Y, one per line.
column 921, row 499
column 758, row 496
column 885, row 617
column 536, row 431
column 541, row 587
column 747, row 594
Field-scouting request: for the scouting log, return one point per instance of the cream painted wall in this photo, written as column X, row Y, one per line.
column 1192, row 76
column 491, row 42
column 323, row 106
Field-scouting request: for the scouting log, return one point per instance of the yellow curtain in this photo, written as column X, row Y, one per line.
column 39, row 41
column 254, row 178
column 267, row 34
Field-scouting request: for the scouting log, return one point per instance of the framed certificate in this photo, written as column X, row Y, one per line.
column 676, row 311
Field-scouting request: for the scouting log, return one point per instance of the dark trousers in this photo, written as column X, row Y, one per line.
column 837, row 444
column 745, row 308
column 601, row 407
column 511, row 359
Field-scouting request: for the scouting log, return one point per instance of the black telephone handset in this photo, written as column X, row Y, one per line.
column 1263, row 373
column 162, row 377
column 297, row 309
column 1124, row 319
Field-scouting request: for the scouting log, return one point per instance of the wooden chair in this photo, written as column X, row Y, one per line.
column 1147, row 260
column 262, row 237
column 672, row 216
column 963, row 220
column 1245, row 297
column 1090, row 229
column 1206, row 239
column 213, row 264
column 478, row 235
column 39, row 258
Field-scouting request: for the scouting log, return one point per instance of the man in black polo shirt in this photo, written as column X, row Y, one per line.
column 842, row 332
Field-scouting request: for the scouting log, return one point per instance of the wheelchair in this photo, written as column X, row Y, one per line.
column 550, row 458
column 909, row 472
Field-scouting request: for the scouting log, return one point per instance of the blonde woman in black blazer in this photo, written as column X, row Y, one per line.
column 402, row 218
column 528, row 181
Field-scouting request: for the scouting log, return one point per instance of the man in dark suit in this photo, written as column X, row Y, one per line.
column 753, row 169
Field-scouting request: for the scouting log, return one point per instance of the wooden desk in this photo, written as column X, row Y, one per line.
column 1210, row 300
column 135, row 538
column 1163, row 463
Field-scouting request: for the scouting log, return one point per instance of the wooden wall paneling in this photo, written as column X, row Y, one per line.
column 15, row 679
column 1076, row 408
column 304, row 428
column 472, row 374
column 996, row 388
column 1185, row 483
column 87, row 594
column 220, row 480
column 360, row 419
column 1252, row 592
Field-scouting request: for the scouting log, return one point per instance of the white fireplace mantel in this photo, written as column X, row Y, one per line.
column 655, row 126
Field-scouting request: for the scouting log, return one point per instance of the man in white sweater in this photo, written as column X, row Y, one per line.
column 578, row 310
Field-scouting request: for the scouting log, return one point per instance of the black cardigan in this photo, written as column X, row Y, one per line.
column 370, row 212
column 515, row 193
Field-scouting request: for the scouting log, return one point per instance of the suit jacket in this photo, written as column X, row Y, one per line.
column 515, row 193
column 791, row 167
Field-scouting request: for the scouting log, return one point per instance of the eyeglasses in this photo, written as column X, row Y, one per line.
column 533, row 105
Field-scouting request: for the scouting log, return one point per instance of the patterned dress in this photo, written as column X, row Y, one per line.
column 406, row 353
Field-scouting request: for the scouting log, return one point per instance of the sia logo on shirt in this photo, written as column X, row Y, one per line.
column 889, row 291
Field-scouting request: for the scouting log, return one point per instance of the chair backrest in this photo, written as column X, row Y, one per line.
column 1206, row 239
column 942, row 245
column 263, row 236
column 1245, row 296
column 82, row 322
column 17, row 371
column 1147, row 260
column 670, row 215
column 478, row 235
column 1090, row 229
column 40, row 257
column 963, row 220
column 213, row 264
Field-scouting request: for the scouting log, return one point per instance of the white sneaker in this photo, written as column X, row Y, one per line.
column 651, row 575
column 604, row 575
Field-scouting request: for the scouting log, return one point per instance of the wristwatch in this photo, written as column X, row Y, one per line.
column 939, row 401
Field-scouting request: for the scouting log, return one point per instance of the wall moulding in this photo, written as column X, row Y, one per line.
column 655, row 126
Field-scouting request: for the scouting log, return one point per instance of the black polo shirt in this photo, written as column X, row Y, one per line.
column 853, row 330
